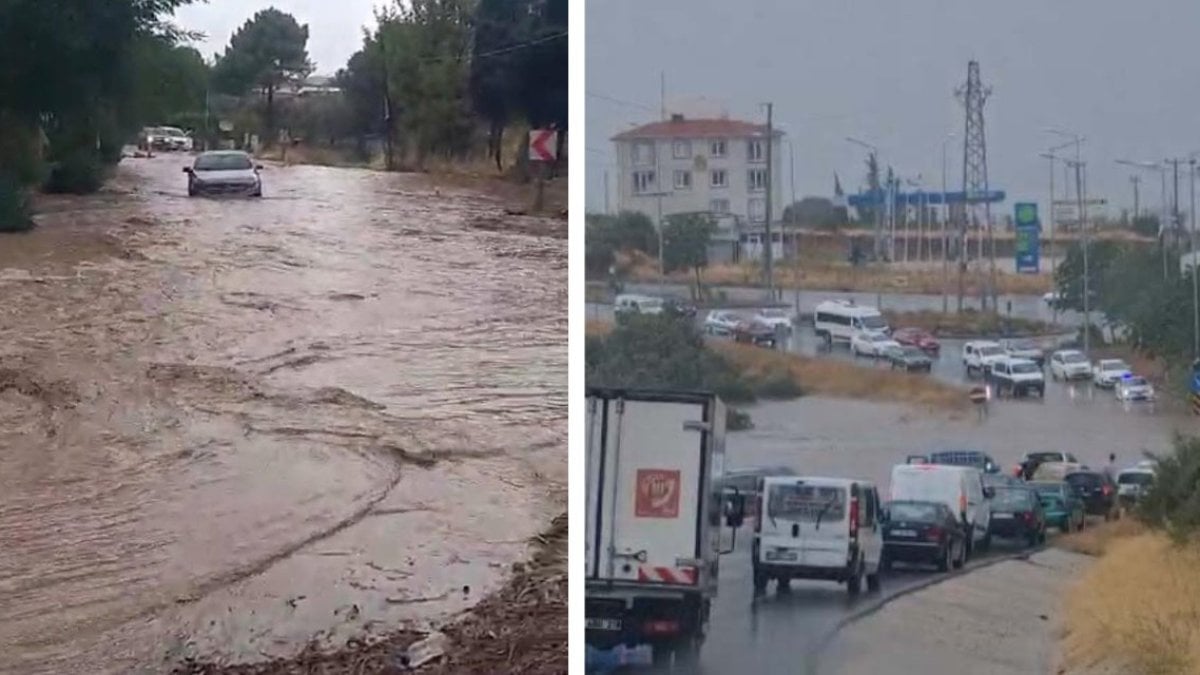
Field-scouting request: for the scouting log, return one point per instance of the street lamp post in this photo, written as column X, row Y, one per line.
column 1162, row 223
column 1192, row 252
column 945, row 232
column 877, row 208
column 1087, row 315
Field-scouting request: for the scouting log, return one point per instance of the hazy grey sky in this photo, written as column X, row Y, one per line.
column 334, row 26
column 1125, row 75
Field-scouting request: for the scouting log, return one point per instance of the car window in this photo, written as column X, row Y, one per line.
column 920, row 512
column 1088, row 480
column 873, row 322
column 1135, row 478
column 231, row 162
column 807, row 502
column 990, row 351
column 1025, row 368
column 1012, row 498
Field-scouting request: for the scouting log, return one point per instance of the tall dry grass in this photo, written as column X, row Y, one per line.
column 1138, row 606
column 830, row 377
column 968, row 323
column 847, row 278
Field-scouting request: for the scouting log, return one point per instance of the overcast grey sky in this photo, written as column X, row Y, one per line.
column 1125, row 75
column 334, row 26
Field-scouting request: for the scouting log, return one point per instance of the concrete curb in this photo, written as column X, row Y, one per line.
column 813, row 657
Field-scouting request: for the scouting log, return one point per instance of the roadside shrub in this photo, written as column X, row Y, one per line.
column 14, row 207
column 79, row 173
column 779, row 385
column 1173, row 502
column 737, row 420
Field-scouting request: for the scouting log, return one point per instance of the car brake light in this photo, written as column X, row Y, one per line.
column 854, row 517
column 1107, row 489
column 934, row 533
column 1027, row 516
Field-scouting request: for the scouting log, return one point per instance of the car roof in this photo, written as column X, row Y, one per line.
column 982, row 343
column 818, row 480
column 1111, row 362
column 1066, row 352
column 1016, row 360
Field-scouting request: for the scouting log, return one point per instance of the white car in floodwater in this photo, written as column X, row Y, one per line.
column 722, row 322
column 774, row 317
column 224, row 172
column 1134, row 388
column 1108, row 372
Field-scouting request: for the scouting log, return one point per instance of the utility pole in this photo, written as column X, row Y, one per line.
column 606, row 211
column 1087, row 316
column 795, row 224
column 1135, row 179
column 1175, row 201
column 945, row 234
column 1192, row 252
column 770, row 189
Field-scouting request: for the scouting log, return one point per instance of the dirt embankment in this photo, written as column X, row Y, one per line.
column 969, row 324
column 522, row 629
column 1136, row 611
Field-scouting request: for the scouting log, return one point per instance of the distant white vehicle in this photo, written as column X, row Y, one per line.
column 774, row 318
column 979, row 355
column 1052, row 299
column 1134, row 388
column 638, row 304
column 871, row 343
column 1108, row 372
column 840, row 320
column 721, row 322
column 1070, row 364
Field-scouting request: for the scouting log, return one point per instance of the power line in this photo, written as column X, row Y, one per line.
column 522, row 45
column 618, row 101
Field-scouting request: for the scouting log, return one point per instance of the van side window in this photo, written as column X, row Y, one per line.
column 868, row 509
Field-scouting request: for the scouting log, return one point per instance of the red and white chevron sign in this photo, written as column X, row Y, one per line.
column 668, row 575
column 543, row 145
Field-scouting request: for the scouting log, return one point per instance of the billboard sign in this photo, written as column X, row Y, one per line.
column 1028, row 238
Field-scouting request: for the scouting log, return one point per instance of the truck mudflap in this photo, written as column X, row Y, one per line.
column 684, row 576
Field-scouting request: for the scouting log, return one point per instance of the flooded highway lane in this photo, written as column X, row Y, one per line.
column 230, row 427
column 831, row 437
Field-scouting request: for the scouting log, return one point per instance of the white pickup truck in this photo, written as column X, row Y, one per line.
column 979, row 355
column 655, row 512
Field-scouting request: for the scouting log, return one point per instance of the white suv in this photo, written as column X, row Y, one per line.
column 1108, row 372
column 1017, row 377
column 1070, row 364
column 979, row 355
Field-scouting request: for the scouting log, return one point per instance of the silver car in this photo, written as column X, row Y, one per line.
column 224, row 172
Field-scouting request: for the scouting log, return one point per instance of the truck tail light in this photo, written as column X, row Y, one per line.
column 661, row 627
column 1107, row 490
column 1027, row 516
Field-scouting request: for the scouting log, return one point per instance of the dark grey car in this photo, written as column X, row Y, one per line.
column 909, row 359
column 224, row 172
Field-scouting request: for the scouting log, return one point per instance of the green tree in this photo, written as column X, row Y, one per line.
column 267, row 52
column 815, row 212
column 685, row 243
column 1069, row 274
column 1173, row 501
column 496, row 78
column 362, row 86
column 605, row 236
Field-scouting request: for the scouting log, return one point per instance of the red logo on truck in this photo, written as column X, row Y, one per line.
column 657, row 494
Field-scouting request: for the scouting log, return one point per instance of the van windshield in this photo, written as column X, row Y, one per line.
column 875, row 322
column 806, row 502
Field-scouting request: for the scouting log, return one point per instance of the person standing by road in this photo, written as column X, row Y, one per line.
column 1110, row 469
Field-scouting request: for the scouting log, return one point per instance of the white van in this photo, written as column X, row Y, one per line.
column 841, row 319
column 639, row 304
column 817, row 528
column 959, row 487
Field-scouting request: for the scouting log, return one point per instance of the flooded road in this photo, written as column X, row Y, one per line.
column 829, row 437
column 228, row 428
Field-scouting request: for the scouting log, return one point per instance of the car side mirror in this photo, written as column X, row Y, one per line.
column 187, row 169
column 989, row 492
column 258, row 167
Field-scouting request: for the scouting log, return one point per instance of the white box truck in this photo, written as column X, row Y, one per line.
column 655, row 513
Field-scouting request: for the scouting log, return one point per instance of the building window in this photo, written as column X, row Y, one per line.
column 681, row 149
column 755, row 152
column 718, row 178
column 756, row 180
column 643, row 182
column 716, row 148
column 719, row 206
column 758, row 210
column 683, row 180
column 643, row 153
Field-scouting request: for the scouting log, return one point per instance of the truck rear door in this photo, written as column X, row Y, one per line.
column 650, row 477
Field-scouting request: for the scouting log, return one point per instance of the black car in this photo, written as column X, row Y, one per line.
column 926, row 532
column 972, row 458
column 908, row 359
column 1097, row 491
column 1017, row 513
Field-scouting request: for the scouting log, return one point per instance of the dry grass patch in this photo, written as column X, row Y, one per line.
column 597, row 328
column 830, row 377
column 847, row 278
column 1138, row 606
column 968, row 323
column 1096, row 539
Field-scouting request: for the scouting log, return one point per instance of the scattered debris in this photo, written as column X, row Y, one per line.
column 430, row 649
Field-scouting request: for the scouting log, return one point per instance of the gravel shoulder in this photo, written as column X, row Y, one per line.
column 1005, row 619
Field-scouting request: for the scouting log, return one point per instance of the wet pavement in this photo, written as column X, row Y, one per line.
column 820, row 436
column 230, row 427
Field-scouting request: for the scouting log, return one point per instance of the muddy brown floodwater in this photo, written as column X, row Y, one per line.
column 231, row 427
